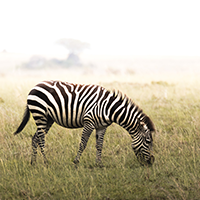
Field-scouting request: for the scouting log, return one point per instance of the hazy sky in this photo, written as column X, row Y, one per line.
column 132, row 27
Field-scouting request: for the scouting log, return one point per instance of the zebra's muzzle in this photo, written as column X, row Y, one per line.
column 144, row 161
column 151, row 160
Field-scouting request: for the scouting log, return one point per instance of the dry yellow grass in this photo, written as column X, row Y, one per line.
column 171, row 102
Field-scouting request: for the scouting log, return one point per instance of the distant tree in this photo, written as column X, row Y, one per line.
column 75, row 48
column 4, row 51
column 35, row 62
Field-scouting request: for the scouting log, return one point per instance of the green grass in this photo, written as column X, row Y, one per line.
column 173, row 107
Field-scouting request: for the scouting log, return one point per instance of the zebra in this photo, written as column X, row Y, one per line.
column 89, row 107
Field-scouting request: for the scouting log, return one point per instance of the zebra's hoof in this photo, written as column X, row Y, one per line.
column 46, row 163
column 33, row 162
column 99, row 164
column 76, row 161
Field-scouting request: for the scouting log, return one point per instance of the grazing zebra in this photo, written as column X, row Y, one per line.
column 88, row 106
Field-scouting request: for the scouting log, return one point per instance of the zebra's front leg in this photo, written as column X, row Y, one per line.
column 87, row 130
column 99, row 144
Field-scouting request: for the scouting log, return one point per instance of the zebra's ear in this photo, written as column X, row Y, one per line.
column 146, row 120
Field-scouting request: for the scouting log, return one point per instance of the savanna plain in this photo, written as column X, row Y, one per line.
column 173, row 104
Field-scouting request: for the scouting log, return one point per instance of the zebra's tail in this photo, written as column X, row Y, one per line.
column 24, row 121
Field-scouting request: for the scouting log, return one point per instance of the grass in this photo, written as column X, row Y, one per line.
column 174, row 108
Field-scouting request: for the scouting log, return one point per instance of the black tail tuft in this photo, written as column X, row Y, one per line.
column 24, row 121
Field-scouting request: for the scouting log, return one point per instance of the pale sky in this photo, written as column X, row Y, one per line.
column 112, row 27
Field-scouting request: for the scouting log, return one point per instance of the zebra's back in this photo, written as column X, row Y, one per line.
column 65, row 103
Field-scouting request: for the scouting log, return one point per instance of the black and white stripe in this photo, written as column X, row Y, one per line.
column 88, row 106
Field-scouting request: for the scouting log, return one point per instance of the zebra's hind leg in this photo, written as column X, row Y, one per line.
column 39, row 139
column 99, row 145
column 34, row 148
column 41, row 143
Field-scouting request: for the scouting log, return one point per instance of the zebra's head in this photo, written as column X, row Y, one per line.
column 142, row 143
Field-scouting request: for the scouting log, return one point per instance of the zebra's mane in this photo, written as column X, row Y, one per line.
column 127, row 101
column 149, row 123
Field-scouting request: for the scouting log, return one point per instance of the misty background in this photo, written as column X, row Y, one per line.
column 125, row 38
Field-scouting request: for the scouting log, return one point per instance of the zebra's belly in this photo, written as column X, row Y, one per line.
column 71, row 127
column 75, row 124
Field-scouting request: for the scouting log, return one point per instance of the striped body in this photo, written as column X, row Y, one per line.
column 88, row 106
column 69, row 104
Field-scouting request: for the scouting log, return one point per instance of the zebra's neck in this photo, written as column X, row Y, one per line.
column 125, row 113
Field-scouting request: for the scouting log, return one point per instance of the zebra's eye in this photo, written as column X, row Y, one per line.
column 148, row 137
column 148, row 140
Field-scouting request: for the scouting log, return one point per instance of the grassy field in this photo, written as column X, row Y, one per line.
column 174, row 107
